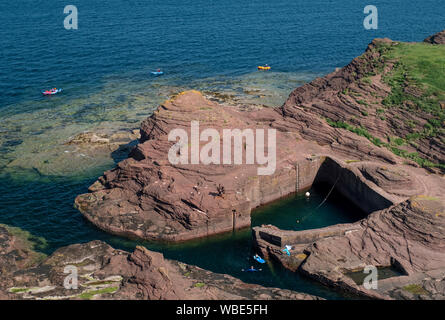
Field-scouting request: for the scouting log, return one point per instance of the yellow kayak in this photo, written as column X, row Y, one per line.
column 263, row 68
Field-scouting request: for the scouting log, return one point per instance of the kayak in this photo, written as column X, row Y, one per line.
column 51, row 92
column 251, row 270
column 263, row 68
column 157, row 73
column 259, row 259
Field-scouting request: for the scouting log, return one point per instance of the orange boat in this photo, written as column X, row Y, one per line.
column 266, row 67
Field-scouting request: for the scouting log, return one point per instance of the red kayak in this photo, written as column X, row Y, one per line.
column 51, row 92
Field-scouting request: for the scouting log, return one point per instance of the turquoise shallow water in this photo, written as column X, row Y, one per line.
column 103, row 67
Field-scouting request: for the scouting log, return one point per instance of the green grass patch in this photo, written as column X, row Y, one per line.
column 361, row 131
column 415, row 289
column 90, row 294
column 18, row 290
column 397, row 141
column 352, row 161
column 199, row 284
column 366, row 80
column 417, row 80
column 100, row 283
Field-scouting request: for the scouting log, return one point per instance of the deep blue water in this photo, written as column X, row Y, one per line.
column 189, row 40
column 104, row 67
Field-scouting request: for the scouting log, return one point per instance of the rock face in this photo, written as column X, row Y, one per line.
column 438, row 38
column 148, row 197
column 344, row 129
column 404, row 239
column 357, row 97
column 107, row 273
column 407, row 238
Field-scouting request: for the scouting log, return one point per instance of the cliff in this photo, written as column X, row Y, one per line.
column 378, row 108
column 373, row 128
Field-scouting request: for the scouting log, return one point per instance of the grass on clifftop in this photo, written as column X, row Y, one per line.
column 417, row 82
column 418, row 76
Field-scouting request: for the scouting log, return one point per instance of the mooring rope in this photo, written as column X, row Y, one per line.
column 326, row 198
column 330, row 191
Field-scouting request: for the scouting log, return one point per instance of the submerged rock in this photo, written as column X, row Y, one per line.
column 17, row 249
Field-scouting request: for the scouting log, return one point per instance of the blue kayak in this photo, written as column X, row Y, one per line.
column 259, row 259
column 252, row 270
column 157, row 73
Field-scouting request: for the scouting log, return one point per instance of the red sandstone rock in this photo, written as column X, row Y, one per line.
column 148, row 197
column 408, row 236
column 438, row 38
column 107, row 273
column 344, row 96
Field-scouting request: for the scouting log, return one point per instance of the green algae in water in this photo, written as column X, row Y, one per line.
column 382, row 272
column 35, row 246
column 29, row 240
column 33, row 133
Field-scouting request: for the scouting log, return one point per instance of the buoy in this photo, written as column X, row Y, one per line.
column 307, row 194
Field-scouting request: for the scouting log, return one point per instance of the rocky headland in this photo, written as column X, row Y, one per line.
column 106, row 273
column 381, row 97
column 374, row 129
